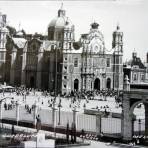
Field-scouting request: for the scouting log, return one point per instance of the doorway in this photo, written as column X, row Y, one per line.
column 76, row 84
column 97, row 84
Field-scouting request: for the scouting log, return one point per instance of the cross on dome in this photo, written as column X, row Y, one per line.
column 61, row 11
column 118, row 26
column 62, row 6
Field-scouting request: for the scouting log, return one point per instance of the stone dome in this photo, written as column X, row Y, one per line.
column 61, row 21
column 58, row 22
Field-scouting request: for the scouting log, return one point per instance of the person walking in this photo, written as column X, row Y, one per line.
column 38, row 124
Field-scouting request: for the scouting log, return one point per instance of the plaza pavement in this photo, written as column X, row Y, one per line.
column 65, row 102
column 44, row 108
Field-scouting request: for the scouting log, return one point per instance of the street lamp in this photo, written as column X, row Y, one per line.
column 59, row 106
column 74, row 107
column 54, row 116
column 53, row 103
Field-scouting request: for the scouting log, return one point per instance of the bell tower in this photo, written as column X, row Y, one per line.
column 117, row 42
column 117, row 45
column 3, row 39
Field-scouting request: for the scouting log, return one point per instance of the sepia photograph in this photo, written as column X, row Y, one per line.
column 73, row 73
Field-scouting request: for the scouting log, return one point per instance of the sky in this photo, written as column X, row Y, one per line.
column 131, row 15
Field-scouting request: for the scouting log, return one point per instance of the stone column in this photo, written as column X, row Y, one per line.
column 35, row 113
column 12, row 70
column 126, row 124
column 98, row 124
column 74, row 116
column 54, row 118
column 23, row 69
column 17, row 112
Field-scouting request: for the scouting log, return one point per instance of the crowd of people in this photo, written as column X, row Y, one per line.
column 75, row 98
column 9, row 106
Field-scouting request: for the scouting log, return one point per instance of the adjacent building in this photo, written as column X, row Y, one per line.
column 136, row 70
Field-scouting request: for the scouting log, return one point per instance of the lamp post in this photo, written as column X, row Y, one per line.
column 17, row 112
column 59, row 106
column 74, row 110
column 55, row 94
column 54, row 116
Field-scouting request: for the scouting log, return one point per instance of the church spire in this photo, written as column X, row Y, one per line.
column 62, row 6
column 117, row 42
column 118, row 26
column 61, row 11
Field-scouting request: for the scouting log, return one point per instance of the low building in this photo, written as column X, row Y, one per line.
column 136, row 70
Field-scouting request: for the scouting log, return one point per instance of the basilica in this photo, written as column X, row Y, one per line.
column 57, row 62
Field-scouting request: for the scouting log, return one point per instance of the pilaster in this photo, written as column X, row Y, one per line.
column 126, row 119
column 39, row 70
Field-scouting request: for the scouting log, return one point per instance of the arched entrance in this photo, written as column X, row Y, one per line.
column 97, row 84
column 76, row 84
column 108, row 83
column 130, row 101
column 32, row 82
column 138, row 122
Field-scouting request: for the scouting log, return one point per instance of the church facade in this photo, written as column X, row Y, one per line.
column 58, row 63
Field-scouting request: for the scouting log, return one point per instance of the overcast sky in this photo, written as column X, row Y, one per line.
column 132, row 15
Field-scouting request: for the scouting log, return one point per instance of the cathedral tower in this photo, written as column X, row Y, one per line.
column 117, row 45
column 61, row 29
column 61, row 36
column 117, row 42
column 3, row 34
